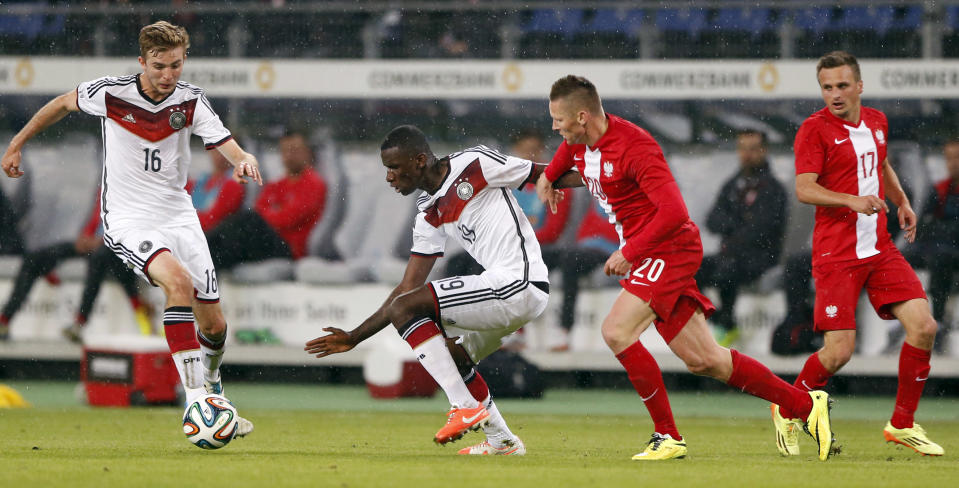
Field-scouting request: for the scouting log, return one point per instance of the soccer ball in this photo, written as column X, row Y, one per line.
column 209, row 421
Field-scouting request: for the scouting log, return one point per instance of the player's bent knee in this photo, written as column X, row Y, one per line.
column 616, row 337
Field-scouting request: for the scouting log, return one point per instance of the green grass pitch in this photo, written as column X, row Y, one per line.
column 310, row 435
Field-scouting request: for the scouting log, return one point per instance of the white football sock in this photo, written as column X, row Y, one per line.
column 497, row 432
column 212, row 356
column 435, row 357
column 189, row 364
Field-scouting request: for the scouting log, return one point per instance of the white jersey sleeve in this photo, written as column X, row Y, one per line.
column 91, row 94
column 207, row 124
column 427, row 240
column 501, row 170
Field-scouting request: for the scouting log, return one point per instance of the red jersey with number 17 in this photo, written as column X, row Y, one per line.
column 848, row 159
column 628, row 175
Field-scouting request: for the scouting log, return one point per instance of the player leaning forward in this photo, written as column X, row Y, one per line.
column 466, row 198
column 148, row 218
column 624, row 169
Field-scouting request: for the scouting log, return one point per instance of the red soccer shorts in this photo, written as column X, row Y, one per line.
column 888, row 280
column 665, row 281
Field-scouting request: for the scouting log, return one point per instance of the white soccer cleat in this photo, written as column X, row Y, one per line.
column 243, row 426
column 513, row 447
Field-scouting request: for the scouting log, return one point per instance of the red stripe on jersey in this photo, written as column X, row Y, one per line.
column 448, row 207
column 152, row 126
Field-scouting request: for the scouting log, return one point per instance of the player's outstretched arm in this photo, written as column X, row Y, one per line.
column 48, row 115
column 907, row 217
column 547, row 193
column 808, row 190
column 245, row 164
column 338, row 340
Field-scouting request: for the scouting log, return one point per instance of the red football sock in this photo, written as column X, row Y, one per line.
column 913, row 372
column 647, row 379
column 179, row 330
column 754, row 378
column 813, row 376
column 477, row 387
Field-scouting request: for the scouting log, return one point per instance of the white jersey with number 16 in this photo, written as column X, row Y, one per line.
column 146, row 146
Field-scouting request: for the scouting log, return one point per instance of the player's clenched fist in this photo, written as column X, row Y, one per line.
column 11, row 164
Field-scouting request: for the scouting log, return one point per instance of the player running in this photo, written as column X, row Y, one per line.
column 842, row 169
column 148, row 217
column 660, row 251
column 455, row 322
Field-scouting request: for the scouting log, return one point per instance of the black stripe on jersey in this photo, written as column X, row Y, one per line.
column 103, row 187
column 519, row 232
column 121, row 81
column 494, row 155
column 214, row 145
column 424, row 255
column 206, row 103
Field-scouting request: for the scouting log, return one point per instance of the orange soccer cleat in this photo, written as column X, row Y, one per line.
column 459, row 421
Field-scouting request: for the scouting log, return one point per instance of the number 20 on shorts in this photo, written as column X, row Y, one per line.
column 650, row 269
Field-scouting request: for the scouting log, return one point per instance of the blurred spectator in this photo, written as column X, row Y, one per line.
column 596, row 240
column 216, row 195
column 937, row 241
column 42, row 262
column 284, row 213
column 750, row 215
column 101, row 260
column 10, row 239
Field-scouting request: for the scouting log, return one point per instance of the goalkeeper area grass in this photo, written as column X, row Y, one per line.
column 337, row 436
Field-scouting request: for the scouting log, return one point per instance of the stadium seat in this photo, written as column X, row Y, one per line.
column 611, row 33
column 680, row 29
column 546, row 32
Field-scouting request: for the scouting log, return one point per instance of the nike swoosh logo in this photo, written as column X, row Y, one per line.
column 638, row 283
column 576, row 158
column 842, row 141
column 922, row 379
column 804, row 385
column 470, row 420
column 650, row 395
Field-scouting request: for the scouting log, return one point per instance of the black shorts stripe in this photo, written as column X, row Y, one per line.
column 118, row 248
column 484, row 298
column 467, row 293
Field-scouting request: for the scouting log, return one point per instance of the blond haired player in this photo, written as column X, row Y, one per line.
column 148, row 217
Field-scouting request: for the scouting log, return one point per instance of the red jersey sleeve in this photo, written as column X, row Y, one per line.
column 561, row 163
column 657, row 183
column 808, row 148
column 227, row 202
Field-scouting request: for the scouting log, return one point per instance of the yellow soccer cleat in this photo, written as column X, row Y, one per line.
column 513, row 447
column 661, row 447
column 817, row 424
column 787, row 432
column 914, row 438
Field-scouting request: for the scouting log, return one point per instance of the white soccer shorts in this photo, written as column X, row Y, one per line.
column 483, row 309
column 138, row 246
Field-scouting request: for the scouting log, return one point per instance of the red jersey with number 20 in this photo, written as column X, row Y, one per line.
column 848, row 159
column 627, row 173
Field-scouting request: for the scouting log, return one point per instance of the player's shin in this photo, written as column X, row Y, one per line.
column 212, row 348
column 497, row 432
column 181, row 337
column 647, row 380
column 429, row 345
column 754, row 378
